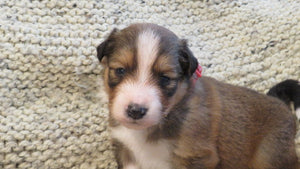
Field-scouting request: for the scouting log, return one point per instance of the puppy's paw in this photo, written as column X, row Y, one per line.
column 131, row 166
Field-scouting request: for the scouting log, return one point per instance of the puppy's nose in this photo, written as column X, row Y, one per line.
column 136, row 111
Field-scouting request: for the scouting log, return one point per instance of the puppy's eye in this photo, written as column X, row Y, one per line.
column 164, row 80
column 120, row 71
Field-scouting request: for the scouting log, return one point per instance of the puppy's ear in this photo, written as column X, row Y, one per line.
column 106, row 47
column 187, row 60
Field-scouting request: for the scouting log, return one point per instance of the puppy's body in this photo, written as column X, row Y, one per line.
column 162, row 118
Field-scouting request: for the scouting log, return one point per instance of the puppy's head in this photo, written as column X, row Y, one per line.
column 147, row 71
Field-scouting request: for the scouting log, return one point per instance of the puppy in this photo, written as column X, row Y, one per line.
column 289, row 92
column 163, row 117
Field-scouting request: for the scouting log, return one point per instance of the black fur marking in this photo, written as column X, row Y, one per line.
column 187, row 60
column 106, row 47
column 287, row 91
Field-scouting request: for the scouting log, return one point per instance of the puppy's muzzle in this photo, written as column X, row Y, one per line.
column 136, row 111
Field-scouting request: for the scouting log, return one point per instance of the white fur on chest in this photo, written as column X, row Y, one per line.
column 147, row 155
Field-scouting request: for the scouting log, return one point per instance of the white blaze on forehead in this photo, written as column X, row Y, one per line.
column 139, row 91
column 147, row 50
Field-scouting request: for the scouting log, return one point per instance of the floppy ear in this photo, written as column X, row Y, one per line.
column 106, row 47
column 187, row 60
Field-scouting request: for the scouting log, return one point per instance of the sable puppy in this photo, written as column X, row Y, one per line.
column 161, row 117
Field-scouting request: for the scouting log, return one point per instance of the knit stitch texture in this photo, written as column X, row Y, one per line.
column 53, row 110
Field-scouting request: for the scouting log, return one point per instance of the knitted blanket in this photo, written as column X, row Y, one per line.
column 53, row 109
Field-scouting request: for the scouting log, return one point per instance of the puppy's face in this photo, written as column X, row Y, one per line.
column 147, row 70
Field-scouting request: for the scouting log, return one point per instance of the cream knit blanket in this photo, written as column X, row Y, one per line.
column 53, row 109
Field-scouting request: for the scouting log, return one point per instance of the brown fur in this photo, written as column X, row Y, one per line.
column 210, row 124
column 237, row 128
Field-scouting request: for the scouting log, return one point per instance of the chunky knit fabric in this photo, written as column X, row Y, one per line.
column 53, row 109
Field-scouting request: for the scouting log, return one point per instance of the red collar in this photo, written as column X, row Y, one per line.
column 197, row 74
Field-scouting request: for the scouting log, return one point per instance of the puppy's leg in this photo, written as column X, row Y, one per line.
column 124, row 157
column 276, row 151
column 209, row 161
column 202, row 158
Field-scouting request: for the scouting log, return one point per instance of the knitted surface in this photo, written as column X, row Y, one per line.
column 53, row 109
